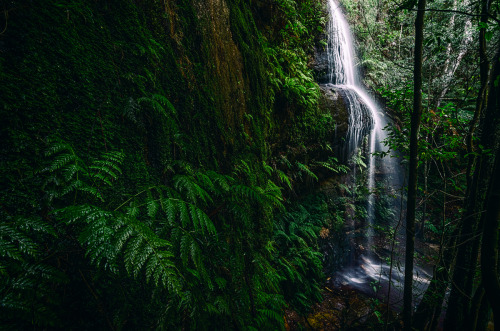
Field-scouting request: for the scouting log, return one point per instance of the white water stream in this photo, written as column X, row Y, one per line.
column 364, row 113
column 366, row 121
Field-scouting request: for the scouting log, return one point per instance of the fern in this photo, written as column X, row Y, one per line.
column 284, row 178
column 27, row 291
column 270, row 315
column 268, row 169
column 113, row 237
column 298, row 259
column 333, row 165
column 247, row 192
column 174, row 237
column 26, row 282
column 153, row 205
column 192, row 191
column 222, row 183
column 245, row 171
column 305, row 169
column 159, row 103
column 68, row 173
column 272, row 194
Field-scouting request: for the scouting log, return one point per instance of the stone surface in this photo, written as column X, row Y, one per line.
column 319, row 65
column 332, row 102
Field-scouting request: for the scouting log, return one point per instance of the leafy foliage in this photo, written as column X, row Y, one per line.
column 151, row 206
column 173, row 238
column 289, row 39
column 297, row 253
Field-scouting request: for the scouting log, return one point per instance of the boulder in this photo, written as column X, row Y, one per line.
column 332, row 102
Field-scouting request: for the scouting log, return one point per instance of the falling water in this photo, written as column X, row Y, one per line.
column 364, row 115
column 365, row 120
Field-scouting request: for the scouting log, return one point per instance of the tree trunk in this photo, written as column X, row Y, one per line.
column 470, row 226
column 412, row 181
column 484, row 67
column 491, row 216
column 452, row 62
column 474, row 319
column 429, row 309
column 489, row 248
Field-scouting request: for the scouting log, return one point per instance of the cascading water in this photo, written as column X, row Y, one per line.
column 365, row 117
column 365, row 120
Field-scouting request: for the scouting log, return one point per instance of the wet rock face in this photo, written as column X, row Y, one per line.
column 227, row 68
column 332, row 102
column 320, row 66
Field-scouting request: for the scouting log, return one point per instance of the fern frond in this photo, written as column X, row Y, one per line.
column 122, row 235
column 152, row 205
column 90, row 190
column 305, row 169
column 114, row 158
column 102, row 177
column 109, row 235
column 246, row 192
column 267, row 168
column 185, row 247
column 243, row 169
column 221, row 182
column 56, row 147
column 191, row 189
column 70, row 171
column 184, row 214
column 161, row 99
column 284, row 178
column 201, row 221
column 273, row 195
column 60, row 162
column 171, row 209
column 111, row 169
column 205, row 222
column 108, row 168
column 8, row 249
column 270, row 314
column 205, row 181
column 159, row 103
column 14, row 243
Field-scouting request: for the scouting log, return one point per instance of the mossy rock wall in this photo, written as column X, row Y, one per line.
column 162, row 80
column 179, row 88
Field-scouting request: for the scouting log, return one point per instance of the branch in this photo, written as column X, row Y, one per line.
column 458, row 12
column 6, row 12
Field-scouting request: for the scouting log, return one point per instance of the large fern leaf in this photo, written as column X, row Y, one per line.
column 111, row 238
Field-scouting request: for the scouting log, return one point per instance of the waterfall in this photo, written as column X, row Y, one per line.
column 366, row 121
column 364, row 115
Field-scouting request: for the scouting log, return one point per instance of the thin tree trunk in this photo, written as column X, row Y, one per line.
column 477, row 304
column 483, row 74
column 489, row 248
column 482, row 317
column 450, row 71
column 429, row 309
column 412, row 181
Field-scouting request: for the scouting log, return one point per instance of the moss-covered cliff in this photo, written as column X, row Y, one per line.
column 143, row 146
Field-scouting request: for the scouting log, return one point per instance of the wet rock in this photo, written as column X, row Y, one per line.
column 332, row 102
column 319, row 66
